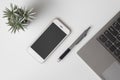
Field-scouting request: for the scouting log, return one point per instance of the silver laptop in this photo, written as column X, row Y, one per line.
column 102, row 52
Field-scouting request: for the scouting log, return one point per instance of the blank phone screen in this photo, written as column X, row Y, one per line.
column 48, row 40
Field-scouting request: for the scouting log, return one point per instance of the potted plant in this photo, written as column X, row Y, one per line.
column 18, row 18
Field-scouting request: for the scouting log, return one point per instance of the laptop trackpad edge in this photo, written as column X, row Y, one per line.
column 113, row 72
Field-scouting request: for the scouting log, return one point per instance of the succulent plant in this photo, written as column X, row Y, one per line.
column 18, row 18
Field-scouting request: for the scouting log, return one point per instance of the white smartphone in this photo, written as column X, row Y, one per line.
column 50, row 39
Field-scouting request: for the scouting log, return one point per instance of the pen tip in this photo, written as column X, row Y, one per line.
column 88, row 29
column 58, row 60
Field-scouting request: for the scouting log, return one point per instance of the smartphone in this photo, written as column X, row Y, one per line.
column 50, row 39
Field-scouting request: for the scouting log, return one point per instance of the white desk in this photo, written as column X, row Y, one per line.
column 17, row 64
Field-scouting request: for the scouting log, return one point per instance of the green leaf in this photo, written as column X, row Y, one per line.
column 12, row 6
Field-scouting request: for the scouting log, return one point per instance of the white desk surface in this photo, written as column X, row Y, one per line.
column 17, row 64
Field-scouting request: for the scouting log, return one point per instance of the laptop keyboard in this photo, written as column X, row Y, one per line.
column 110, row 39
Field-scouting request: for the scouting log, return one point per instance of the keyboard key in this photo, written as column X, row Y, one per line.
column 118, row 37
column 103, row 38
column 117, row 52
column 117, row 43
column 113, row 31
column 112, row 48
column 108, row 43
column 116, row 26
column 109, row 36
column 118, row 20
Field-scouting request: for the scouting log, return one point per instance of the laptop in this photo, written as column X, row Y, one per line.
column 102, row 52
